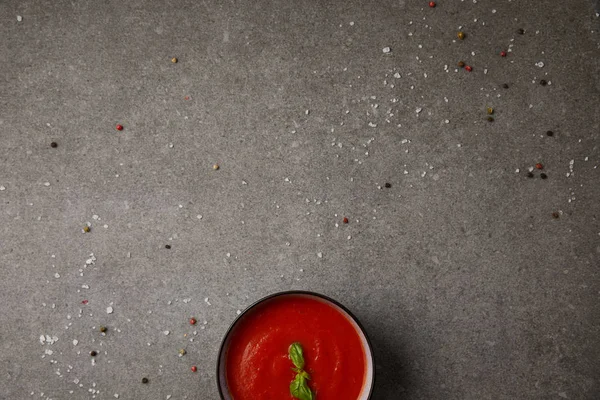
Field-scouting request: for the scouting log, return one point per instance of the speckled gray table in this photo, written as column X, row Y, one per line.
column 473, row 280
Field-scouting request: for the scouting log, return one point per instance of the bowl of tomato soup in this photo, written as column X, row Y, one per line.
column 296, row 345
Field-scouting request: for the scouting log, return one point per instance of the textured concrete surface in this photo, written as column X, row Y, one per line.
column 466, row 283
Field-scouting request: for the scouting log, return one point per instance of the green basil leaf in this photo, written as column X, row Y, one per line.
column 299, row 387
column 296, row 355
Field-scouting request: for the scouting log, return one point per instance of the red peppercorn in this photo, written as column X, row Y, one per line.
column 194, row 369
column 193, row 321
column 84, row 302
column 345, row 220
column 119, row 127
column 502, row 54
column 539, row 166
column 432, row 4
column 469, row 68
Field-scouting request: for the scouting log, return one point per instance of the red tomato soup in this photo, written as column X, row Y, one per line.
column 258, row 366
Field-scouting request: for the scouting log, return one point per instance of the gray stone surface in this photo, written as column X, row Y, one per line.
column 467, row 285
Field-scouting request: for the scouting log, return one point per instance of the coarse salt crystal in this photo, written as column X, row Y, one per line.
column 386, row 50
column 109, row 310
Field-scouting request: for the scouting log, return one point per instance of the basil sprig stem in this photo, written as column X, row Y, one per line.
column 299, row 386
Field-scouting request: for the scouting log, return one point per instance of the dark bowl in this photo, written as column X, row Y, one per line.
column 368, row 349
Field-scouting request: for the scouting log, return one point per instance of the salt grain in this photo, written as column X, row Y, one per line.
column 109, row 310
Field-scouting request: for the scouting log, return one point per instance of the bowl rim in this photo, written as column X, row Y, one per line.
column 294, row 292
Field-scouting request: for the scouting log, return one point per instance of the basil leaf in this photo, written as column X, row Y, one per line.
column 299, row 387
column 296, row 355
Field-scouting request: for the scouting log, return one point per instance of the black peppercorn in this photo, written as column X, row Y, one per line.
column 555, row 215
column 168, row 246
column 543, row 82
column 520, row 31
column 144, row 380
column 461, row 64
column 491, row 119
column 103, row 329
column 93, row 353
column 505, row 86
column 543, row 176
column 530, row 174
column 550, row 133
column 53, row 144
column 388, row 185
